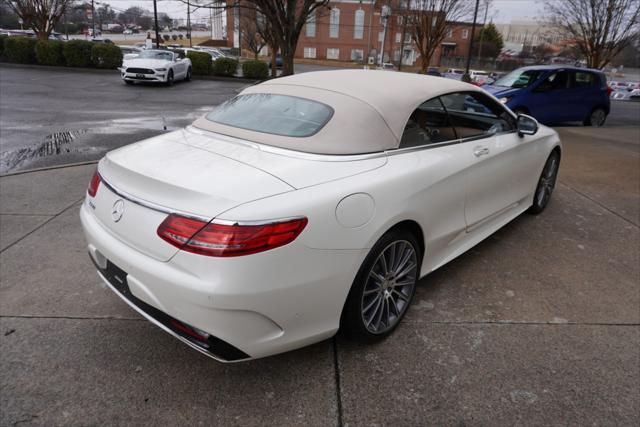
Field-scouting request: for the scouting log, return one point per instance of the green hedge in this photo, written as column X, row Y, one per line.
column 255, row 70
column 20, row 49
column 106, row 56
column 77, row 53
column 201, row 64
column 49, row 52
column 225, row 67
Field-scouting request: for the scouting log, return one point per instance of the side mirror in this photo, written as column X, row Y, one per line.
column 527, row 125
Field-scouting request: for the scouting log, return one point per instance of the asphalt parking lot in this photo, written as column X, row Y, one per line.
column 537, row 325
column 52, row 116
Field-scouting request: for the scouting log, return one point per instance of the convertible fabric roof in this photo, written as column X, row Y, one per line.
column 371, row 108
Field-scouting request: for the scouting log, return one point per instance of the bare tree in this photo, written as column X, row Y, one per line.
column 427, row 22
column 286, row 19
column 251, row 34
column 601, row 28
column 268, row 35
column 40, row 15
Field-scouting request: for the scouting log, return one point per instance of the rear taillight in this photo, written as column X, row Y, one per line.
column 94, row 184
column 222, row 240
column 609, row 90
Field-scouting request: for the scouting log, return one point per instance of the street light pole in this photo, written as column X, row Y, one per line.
column 155, row 22
column 466, row 77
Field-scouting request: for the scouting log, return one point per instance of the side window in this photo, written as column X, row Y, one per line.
column 555, row 81
column 428, row 124
column 474, row 114
column 584, row 79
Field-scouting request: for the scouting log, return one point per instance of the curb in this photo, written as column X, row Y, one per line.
column 56, row 68
column 101, row 71
column 46, row 168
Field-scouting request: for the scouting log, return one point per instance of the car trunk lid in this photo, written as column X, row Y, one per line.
column 161, row 175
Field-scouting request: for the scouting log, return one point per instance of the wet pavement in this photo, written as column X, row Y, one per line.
column 53, row 117
column 537, row 325
column 50, row 117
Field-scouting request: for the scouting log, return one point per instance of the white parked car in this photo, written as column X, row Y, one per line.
column 310, row 203
column 156, row 66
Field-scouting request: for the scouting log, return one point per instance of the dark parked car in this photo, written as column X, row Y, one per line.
column 278, row 61
column 433, row 71
column 555, row 94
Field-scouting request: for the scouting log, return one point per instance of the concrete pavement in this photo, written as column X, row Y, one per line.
column 539, row 324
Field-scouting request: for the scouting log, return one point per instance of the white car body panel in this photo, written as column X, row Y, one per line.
column 291, row 296
column 131, row 68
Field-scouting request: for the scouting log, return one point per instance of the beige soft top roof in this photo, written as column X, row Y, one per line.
column 371, row 108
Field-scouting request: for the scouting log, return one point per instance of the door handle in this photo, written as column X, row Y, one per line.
column 480, row 151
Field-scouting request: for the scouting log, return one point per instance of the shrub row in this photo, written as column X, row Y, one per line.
column 255, row 69
column 203, row 65
column 74, row 53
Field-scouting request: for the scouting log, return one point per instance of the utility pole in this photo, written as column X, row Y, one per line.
column 385, row 13
column 484, row 22
column 466, row 77
column 189, row 22
column 93, row 21
column 155, row 23
column 373, row 6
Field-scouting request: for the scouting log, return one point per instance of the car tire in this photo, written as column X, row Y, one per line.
column 383, row 288
column 187, row 78
column 170, row 78
column 596, row 117
column 129, row 82
column 546, row 183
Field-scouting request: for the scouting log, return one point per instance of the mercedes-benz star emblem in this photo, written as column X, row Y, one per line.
column 117, row 210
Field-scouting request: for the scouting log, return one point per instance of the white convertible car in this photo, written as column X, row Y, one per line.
column 160, row 66
column 310, row 203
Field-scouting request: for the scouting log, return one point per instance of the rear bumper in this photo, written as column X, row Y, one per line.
column 252, row 306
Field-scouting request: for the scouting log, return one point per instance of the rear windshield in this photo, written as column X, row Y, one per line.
column 275, row 114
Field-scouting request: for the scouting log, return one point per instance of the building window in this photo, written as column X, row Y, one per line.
column 309, row 52
column 399, row 20
column 334, row 23
column 465, row 34
column 398, row 37
column 333, row 53
column 396, row 55
column 380, row 36
column 407, row 38
column 449, row 32
column 357, row 54
column 311, row 25
column 358, row 29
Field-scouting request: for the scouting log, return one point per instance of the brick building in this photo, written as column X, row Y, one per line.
column 352, row 30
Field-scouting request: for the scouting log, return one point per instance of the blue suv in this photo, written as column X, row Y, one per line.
column 555, row 94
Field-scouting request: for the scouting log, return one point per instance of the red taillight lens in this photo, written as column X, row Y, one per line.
column 94, row 184
column 609, row 90
column 222, row 240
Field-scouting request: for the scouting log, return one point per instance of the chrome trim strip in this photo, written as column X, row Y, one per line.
column 257, row 222
column 286, row 152
column 163, row 327
column 336, row 157
column 151, row 205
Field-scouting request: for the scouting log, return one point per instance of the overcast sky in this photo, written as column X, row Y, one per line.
column 501, row 11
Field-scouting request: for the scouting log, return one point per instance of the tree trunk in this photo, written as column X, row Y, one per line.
column 274, row 67
column 424, row 62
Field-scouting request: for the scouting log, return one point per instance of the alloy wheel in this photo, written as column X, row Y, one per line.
column 389, row 287
column 547, row 181
column 598, row 117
